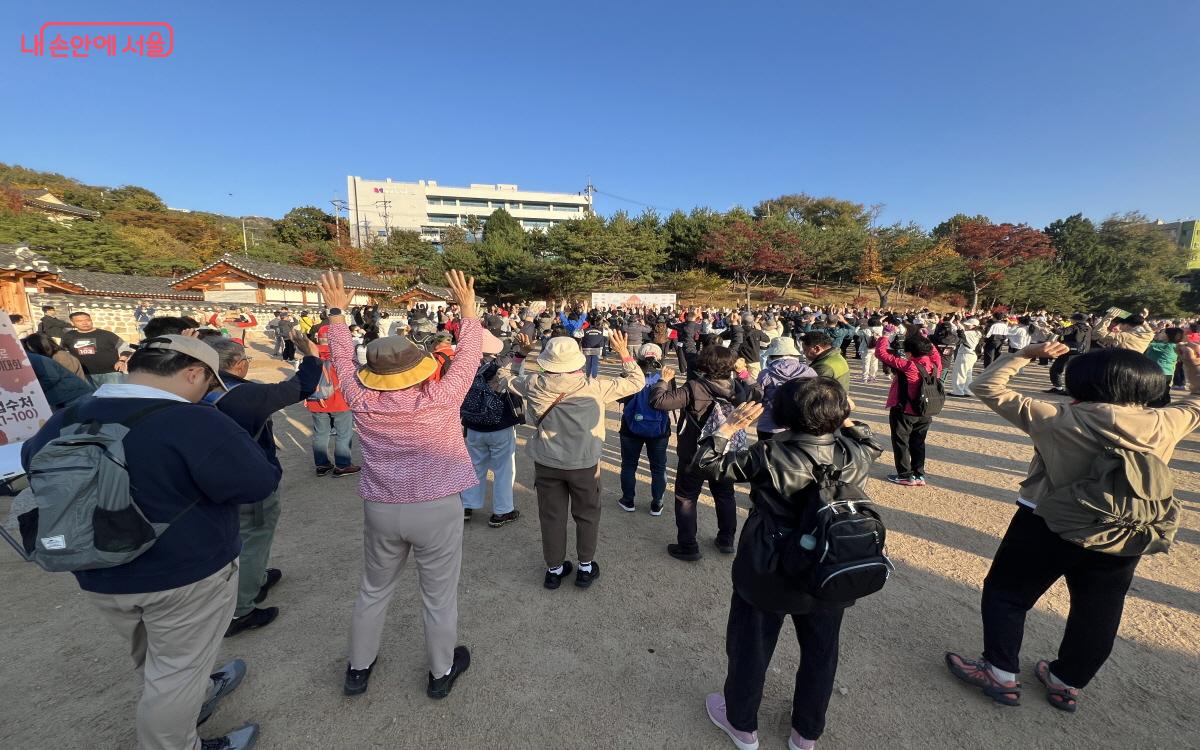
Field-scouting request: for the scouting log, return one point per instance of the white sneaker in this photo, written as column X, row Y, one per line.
column 796, row 742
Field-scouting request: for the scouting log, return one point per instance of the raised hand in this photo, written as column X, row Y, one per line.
column 332, row 289
column 620, row 344
column 463, row 290
column 1047, row 350
column 742, row 417
column 668, row 373
column 524, row 343
column 303, row 343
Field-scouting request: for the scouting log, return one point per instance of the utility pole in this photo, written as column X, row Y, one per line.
column 386, row 227
column 590, row 192
column 245, row 244
column 338, row 205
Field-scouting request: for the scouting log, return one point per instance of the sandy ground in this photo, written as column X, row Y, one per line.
column 627, row 663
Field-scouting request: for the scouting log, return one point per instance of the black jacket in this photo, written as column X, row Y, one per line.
column 693, row 399
column 252, row 404
column 778, row 472
column 53, row 327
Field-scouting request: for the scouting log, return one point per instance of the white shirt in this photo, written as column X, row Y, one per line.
column 997, row 329
column 129, row 390
column 1018, row 337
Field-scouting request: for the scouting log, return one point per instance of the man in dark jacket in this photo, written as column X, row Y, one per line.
column 191, row 467
column 251, row 406
column 636, row 331
column 51, row 325
column 61, row 386
column 687, row 345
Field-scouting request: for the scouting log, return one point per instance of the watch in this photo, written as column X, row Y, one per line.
column 335, row 311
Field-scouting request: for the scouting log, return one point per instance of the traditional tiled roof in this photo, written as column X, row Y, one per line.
column 121, row 285
column 440, row 292
column 21, row 258
column 268, row 271
column 33, row 198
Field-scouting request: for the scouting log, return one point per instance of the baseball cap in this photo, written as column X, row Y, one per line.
column 194, row 348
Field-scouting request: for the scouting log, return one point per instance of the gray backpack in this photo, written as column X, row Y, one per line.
column 85, row 516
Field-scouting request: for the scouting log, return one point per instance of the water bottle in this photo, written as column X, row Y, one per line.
column 808, row 541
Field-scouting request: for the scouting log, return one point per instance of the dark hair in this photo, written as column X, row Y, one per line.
column 161, row 326
column 48, row 308
column 161, row 362
column 208, row 333
column 816, row 338
column 716, row 362
column 1175, row 335
column 1116, row 376
column 710, row 339
column 16, row 317
column 40, row 343
column 813, row 406
column 77, row 313
column 918, row 345
column 649, row 364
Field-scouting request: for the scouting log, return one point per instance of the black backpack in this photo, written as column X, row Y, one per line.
column 931, row 393
column 485, row 410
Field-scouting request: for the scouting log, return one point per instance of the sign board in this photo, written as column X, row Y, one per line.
column 23, row 406
column 618, row 299
column 247, row 296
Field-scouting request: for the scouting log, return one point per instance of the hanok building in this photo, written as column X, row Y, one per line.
column 239, row 280
column 41, row 200
column 431, row 297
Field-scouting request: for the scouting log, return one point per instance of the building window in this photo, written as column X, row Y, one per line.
column 536, row 206
column 383, row 233
column 472, row 204
column 442, row 201
column 442, row 219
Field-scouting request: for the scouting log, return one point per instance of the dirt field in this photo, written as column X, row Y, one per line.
column 627, row 663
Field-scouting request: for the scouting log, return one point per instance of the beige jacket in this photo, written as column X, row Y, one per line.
column 1137, row 340
column 1064, row 440
column 572, row 435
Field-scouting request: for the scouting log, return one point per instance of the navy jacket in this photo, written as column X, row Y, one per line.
column 182, row 454
column 61, row 386
column 252, row 404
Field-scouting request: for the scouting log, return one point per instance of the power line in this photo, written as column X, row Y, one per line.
column 627, row 200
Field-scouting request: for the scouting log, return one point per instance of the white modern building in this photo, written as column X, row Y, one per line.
column 379, row 206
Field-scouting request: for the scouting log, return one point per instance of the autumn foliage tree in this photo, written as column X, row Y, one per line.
column 989, row 250
column 742, row 248
column 891, row 255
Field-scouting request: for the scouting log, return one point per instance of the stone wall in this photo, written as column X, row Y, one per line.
column 116, row 313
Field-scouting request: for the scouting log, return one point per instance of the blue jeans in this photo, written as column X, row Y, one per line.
column 631, row 454
column 496, row 451
column 592, row 367
column 340, row 426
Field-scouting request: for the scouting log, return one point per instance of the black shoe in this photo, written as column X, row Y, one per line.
column 466, row 514
column 273, row 576
column 679, row 552
column 626, row 505
column 357, row 679
column 439, row 687
column 554, row 580
column 226, row 680
column 725, row 547
column 323, row 470
column 256, row 618
column 656, row 508
column 1055, row 389
column 584, row 578
column 497, row 521
column 957, row 395
column 242, row 738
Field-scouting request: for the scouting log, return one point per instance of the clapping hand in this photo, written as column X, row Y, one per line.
column 620, row 344
column 463, row 290
column 668, row 373
column 333, row 291
column 740, row 418
column 1047, row 350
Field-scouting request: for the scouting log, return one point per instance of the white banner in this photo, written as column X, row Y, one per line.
column 618, row 299
column 249, row 296
column 23, row 406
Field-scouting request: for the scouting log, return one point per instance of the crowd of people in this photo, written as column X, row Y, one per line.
column 434, row 399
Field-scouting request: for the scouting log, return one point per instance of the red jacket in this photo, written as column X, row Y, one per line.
column 906, row 369
column 334, row 403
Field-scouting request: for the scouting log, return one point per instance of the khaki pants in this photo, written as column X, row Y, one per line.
column 560, row 491
column 174, row 636
column 256, row 525
column 433, row 531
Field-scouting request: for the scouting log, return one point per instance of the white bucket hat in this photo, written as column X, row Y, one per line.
column 784, row 346
column 561, row 354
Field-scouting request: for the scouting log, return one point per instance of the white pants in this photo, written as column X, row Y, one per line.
column 870, row 365
column 963, row 376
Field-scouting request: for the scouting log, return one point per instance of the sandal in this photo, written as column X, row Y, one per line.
column 979, row 674
column 1063, row 698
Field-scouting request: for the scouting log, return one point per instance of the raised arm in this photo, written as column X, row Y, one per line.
column 341, row 344
column 992, row 386
column 632, row 378
column 453, row 387
column 1183, row 415
column 715, row 463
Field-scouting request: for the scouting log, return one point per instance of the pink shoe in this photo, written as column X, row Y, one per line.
column 796, row 742
column 715, row 703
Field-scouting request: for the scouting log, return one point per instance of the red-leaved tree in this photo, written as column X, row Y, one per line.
column 990, row 250
column 745, row 250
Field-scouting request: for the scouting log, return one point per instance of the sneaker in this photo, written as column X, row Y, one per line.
column 584, row 578
column 919, row 480
column 554, row 580
column 715, row 703
column 254, row 619
column 440, row 687
column 958, row 395
column 323, row 470
column 902, row 480
column 357, row 679
column 497, row 521
column 242, row 738
column 979, row 674
column 797, row 742
column 466, row 514
column 273, row 577
column 343, row 471
column 724, row 547
column 679, row 552
column 656, row 508
column 1055, row 389
column 626, row 505
column 224, row 681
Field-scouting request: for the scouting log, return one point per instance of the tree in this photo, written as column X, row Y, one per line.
column 989, row 250
column 740, row 248
column 894, row 253
column 693, row 284
column 685, row 233
column 457, row 253
column 406, row 254
column 947, row 228
column 822, row 212
column 474, row 225
column 501, row 227
column 1147, row 262
column 1035, row 284
column 617, row 252
column 131, row 198
column 305, row 224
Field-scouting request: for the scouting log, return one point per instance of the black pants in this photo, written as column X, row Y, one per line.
column 749, row 643
column 289, row 351
column 991, row 352
column 908, row 441
column 1058, row 370
column 688, row 487
column 1030, row 559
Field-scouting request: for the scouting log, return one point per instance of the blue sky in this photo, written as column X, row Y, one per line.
column 1024, row 111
